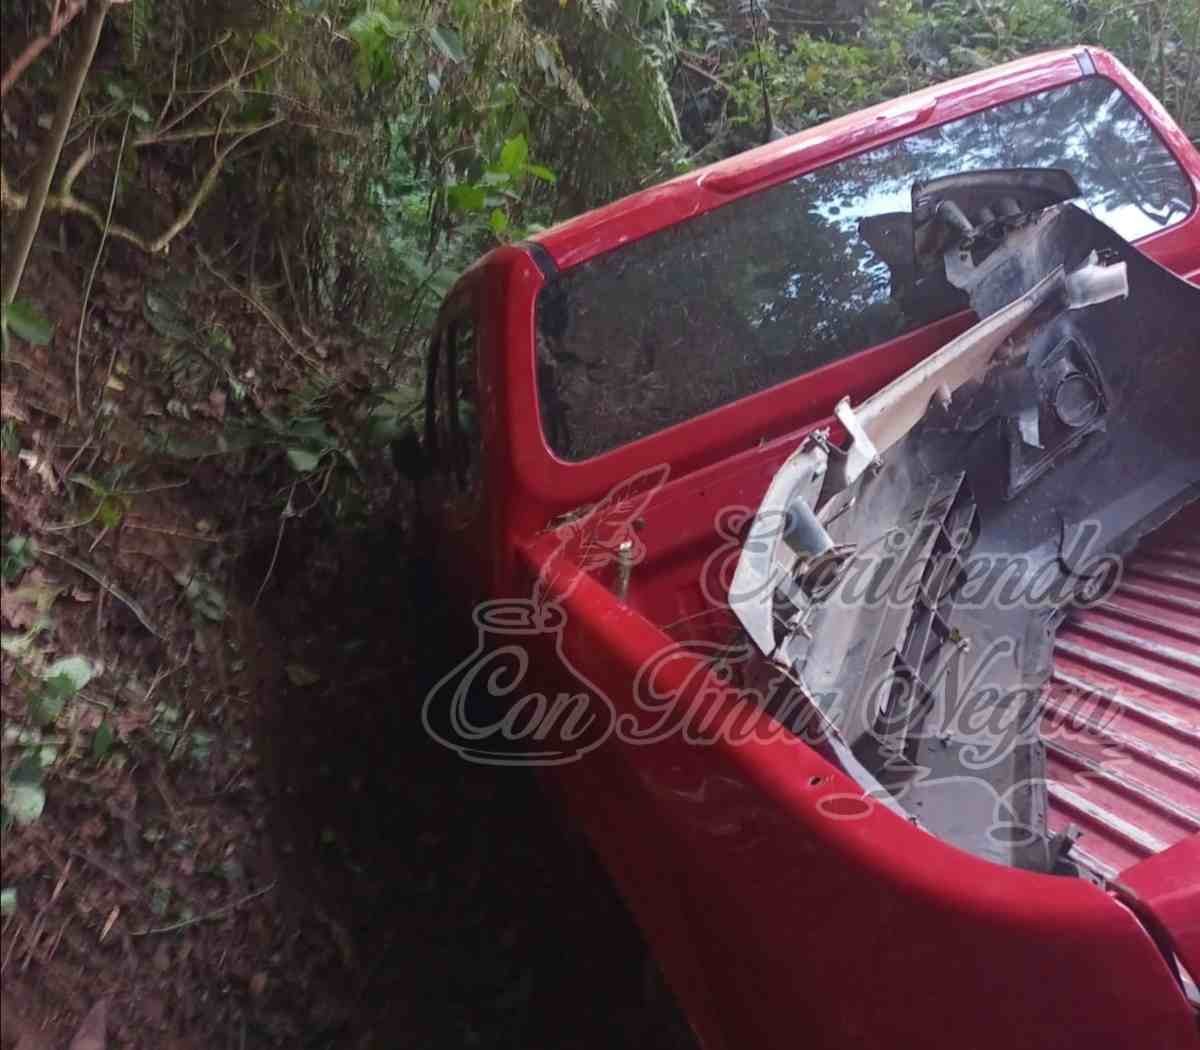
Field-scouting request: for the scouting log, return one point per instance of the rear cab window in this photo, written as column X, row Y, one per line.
column 774, row 285
column 452, row 412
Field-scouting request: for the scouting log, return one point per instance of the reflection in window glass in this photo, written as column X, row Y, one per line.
column 794, row 277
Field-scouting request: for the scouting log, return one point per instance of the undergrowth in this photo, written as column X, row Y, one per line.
column 258, row 209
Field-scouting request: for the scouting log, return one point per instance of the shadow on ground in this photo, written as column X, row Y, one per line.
column 462, row 912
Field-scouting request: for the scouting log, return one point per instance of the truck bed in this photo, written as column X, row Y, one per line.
column 1125, row 767
column 1121, row 723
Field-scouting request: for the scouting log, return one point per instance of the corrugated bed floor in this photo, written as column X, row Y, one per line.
column 1122, row 722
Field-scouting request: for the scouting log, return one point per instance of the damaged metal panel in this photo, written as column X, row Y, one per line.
column 981, row 497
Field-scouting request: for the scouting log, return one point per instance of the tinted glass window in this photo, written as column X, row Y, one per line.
column 455, row 428
column 792, row 278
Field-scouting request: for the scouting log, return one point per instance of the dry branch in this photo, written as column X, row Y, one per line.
column 32, row 215
column 96, row 576
column 232, row 81
column 207, row 917
column 40, row 198
column 267, row 313
column 87, row 291
column 62, row 16
column 66, row 201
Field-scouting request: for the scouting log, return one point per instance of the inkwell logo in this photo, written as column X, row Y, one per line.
column 518, row 699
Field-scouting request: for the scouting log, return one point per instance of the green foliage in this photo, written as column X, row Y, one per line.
column 126, row 100
column 498, row 193
column 23, row 797
column 375, row 31
column 35, row 596
column 139, row 23
column 307, row 442
column 48, row 695
column 58, row 684
column 413, row 137
column 394, row 413
column 102, row 741
column 10, row 439
column 206, row 599
column 476, row 123
column 24, row 320
column 19, row 553
column 1160, row 40
column 302, row 460
column 195, row 355
column 448, row 42
column 904, row 45
column 176, row 736
column 621, row 54
column 110, row 504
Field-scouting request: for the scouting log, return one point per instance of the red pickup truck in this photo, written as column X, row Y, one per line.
column 829, row 515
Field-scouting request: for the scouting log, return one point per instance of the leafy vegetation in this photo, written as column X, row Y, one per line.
column 331, row 166
column 248, row 222
column 339, row 162
column 896, row 46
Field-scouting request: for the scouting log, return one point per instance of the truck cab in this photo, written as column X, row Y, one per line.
column 609, row 408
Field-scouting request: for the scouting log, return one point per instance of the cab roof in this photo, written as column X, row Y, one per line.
column 695, row 192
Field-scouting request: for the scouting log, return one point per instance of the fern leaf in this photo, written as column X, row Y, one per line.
column 602, row 11
column 139, row 25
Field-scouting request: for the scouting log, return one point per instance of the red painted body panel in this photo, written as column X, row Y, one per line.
column 1166, row 889
column 692, row 194
column 548, row 484
column 792, row 929
column 777, row 925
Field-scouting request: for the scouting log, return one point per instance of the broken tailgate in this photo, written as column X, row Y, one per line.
column 988, row 593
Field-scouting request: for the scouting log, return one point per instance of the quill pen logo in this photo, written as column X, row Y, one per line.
column 486, row 708
column 593, row 541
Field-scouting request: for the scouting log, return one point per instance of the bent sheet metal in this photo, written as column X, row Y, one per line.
column 912, row 580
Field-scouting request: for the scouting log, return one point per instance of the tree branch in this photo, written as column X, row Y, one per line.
column 87, row 291
column 62, row 17
column 267, row 313
column 66, row 201
column 31, row 217
column 229, row 82
column 710, row 77
column 1185, row 106
column 206, row 186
